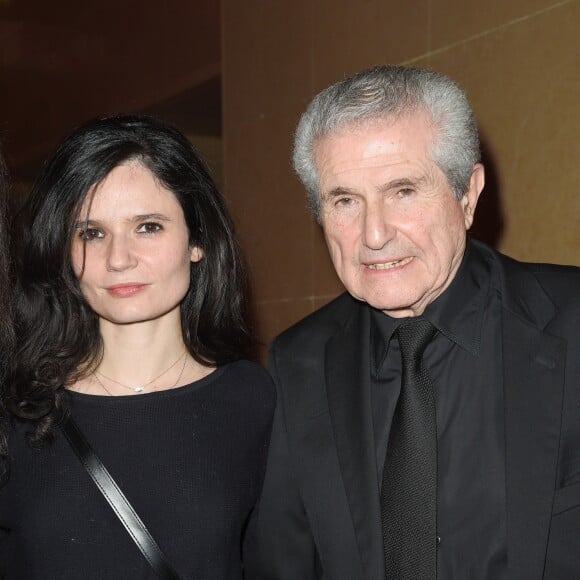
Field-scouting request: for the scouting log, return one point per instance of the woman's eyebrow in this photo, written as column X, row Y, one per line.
column 85, row 223
column 137, row 218
column 151, row 216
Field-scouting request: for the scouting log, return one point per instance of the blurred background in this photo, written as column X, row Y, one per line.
column 235, row 76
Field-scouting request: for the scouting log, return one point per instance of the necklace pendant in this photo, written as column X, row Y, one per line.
column 139, row 389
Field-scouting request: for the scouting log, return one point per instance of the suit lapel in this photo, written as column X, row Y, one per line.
column 533, row 363
column 348, row 389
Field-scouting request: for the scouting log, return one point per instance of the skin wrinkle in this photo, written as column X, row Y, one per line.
column 384, row 200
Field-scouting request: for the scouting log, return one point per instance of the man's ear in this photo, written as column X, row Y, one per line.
column 196, row 254
column 471, row 196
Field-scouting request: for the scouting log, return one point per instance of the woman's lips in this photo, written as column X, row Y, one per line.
column 125, row 290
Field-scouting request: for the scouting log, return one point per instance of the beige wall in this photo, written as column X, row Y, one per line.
column 211, row 149
column 519, row 63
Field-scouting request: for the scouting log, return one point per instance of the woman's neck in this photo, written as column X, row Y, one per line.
column 136, row 353
column 141, row 358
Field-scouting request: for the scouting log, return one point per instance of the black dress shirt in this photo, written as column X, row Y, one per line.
column 464, row 361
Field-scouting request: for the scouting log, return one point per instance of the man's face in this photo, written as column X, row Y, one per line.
column 395, row 232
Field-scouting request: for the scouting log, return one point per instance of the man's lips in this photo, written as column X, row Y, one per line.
column 391, row 264
column 125, row 290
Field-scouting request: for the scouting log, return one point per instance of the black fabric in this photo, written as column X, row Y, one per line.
column 118, row 502
column 409, row 490
column 190, row 460
column 464, row 361
column 519, row 462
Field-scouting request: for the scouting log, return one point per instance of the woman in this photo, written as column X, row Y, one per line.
column 129, row 317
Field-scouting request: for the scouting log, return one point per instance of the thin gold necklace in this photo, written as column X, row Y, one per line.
column 141, row 388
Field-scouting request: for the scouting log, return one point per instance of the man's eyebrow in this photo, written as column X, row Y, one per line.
column 337, row 191
column 388, row 186
column 401, row 183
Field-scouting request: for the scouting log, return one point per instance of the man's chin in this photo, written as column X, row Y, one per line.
column 393, row 308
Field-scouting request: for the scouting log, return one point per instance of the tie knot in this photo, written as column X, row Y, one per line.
column 414, row 336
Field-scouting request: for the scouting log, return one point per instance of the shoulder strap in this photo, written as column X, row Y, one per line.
column 117, row 500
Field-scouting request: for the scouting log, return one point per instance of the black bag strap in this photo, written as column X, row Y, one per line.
column 117, row 500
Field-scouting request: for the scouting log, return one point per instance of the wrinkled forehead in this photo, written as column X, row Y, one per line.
column 417, row 125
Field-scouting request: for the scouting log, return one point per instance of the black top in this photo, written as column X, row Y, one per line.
column 464, row 362
column 190, row 460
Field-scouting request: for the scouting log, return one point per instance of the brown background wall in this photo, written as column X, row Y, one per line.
column 518, row 60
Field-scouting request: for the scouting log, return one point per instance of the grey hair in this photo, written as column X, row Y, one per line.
column 389, row 92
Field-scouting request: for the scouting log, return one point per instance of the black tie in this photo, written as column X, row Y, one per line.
column 409, row 492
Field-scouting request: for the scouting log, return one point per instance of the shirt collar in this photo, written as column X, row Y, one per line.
column 457, row 313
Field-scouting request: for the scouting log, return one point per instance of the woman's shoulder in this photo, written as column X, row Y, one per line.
column 15, row 430
column 21, row 455
column 249, row 370
column 251, row 378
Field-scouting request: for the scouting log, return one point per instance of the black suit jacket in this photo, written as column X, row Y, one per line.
column 320, row 514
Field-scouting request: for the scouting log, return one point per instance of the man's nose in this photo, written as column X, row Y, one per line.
column 377, row 229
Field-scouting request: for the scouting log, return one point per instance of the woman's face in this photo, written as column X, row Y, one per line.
column 130, row 250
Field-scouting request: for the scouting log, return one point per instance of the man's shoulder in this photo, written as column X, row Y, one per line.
column 557, row 276
column 320, row 325
column 559, row 281
column 536, row 289
column 555, row 272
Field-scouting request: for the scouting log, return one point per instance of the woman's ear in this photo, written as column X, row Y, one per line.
column 196, row 254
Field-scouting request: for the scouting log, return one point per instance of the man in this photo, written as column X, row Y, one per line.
column 429, row 419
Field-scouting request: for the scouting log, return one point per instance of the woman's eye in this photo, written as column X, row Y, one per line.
column 90, row 234
column 149, row 228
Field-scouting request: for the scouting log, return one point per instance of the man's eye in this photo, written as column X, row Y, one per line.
column 344, row 201
column 90, row 234
column 149, row 228
column 405, row 192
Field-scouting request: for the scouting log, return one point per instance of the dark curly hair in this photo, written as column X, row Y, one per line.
column 58, row 339
column 6, row 333
column 6, row 330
